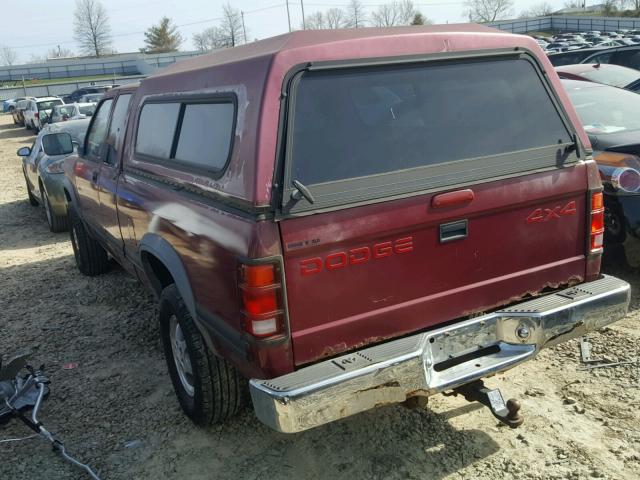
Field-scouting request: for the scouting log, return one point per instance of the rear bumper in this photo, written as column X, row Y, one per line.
column 437, row 360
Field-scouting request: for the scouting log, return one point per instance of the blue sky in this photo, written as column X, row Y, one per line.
column 32, row 27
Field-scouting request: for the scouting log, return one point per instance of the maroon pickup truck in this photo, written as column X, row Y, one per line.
column 348, row 218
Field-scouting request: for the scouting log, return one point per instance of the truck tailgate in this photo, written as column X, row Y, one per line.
column 369, row 273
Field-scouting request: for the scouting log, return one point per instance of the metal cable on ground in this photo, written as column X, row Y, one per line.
column 9, row 440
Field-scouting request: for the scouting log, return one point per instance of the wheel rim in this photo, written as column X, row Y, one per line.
column 74, row 241
column 181, row 356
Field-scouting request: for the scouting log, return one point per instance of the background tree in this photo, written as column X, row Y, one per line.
column 315, row 21
column 59, row 52
column 418, row 19
column 541, row 9
column 488, row 10
column 394, row 13
column 91, row 27
column 8, row 56
column 574, row 4
column 335, row 18
column 231, row 27
column 162, row 38
column 357, row 16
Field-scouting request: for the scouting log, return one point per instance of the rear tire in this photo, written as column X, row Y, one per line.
column 209, row 389
column 91, row 258
column 27, row 126
column 57, row 223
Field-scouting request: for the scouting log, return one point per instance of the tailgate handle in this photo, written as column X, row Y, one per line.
column 454, row 231
column 451, row 199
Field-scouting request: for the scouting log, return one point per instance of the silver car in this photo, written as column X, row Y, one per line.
column 42, row 165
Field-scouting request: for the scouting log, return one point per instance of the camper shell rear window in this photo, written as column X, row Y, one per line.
column 362, row 132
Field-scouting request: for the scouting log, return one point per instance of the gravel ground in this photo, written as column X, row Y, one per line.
column 117, row 411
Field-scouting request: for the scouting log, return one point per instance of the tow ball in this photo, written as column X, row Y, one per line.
column 508, row 413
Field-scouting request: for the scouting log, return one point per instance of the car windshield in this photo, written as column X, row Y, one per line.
column 87, row 110
column 605, row 110
column 49, row 104
column 618, row 77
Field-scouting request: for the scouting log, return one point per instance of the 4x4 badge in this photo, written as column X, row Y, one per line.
column 545, row 214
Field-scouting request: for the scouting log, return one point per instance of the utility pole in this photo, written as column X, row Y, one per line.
column 24, row 88
column 288, row 16
column 244, row 30
column 59, row 51
column 304, row 24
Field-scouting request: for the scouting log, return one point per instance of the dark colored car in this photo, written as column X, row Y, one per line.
column 610, row 118
column 613, row 75
column 628, row 56
column 74, row 96
column 573, row 56
column 348, row 218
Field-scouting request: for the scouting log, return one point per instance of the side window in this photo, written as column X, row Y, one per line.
column 629, row 58
column 98, row 131
column 602, row 58
column 205, row 135
column 118, row 121
column 156, row 129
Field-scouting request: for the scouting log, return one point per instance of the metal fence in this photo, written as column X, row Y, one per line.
column 56, row 89
column 553, row 23
column 85, row 67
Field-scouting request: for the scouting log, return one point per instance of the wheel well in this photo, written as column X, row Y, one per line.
column 157, row 272
column 67, row 195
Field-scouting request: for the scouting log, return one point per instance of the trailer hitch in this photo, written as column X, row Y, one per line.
column 508, row 413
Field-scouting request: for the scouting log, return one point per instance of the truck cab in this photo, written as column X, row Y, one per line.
column 334, row 220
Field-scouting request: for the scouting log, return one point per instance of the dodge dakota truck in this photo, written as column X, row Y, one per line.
column 337, row 220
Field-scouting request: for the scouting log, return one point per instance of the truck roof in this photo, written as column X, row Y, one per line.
column 255, row 73
column 312, row 40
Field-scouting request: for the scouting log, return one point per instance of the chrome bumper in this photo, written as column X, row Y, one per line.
column 436, row 360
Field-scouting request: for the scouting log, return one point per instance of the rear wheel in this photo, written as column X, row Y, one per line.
column 57, row 223
column 209, row 389
column 91, row 258
column 26, row 125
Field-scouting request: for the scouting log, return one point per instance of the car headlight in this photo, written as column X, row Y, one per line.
column 619, row 171
column 55, row 167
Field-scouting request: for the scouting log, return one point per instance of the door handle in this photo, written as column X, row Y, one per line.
column 454, row 231
column 451, row 199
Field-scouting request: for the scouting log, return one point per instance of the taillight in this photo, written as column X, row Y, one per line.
column 262, row 299
column 596, row 236
column 37, row 115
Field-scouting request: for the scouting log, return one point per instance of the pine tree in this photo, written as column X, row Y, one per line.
column 162, row 38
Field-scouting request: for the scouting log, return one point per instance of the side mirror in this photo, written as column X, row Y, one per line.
column 57, row 144
column 24, row 152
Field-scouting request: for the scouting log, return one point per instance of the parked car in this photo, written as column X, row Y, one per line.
column 613, row 75
column 91, row 98
column 624, row 56
column 610, row 118
column 76, row 95
column 572, row 57
column 75, row 111
column 348, row 218
column 42, row 168
column 36, row 115
column 10, row 104
column 18, row 111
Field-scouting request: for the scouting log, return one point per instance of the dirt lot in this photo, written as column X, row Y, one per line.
column 117, row 410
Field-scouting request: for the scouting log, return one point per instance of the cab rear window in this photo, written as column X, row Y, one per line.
column 405, row 127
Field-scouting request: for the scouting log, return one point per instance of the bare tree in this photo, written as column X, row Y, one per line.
column 231, row 26
column 59, row 52
column 488, row 10
column 541, row 9
column 228, row 34
column 394, row 13
column 315, row 21
column 335, row 18
column 357, row 16
column 8, row 56
column 574, row 4
column 91, row 27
